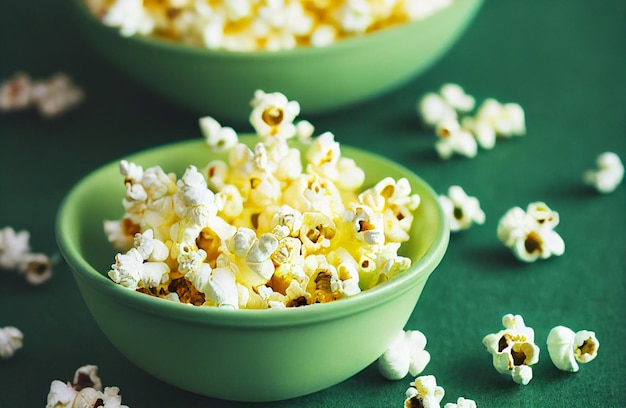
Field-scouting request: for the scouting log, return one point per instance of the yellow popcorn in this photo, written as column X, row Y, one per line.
column 265, row 228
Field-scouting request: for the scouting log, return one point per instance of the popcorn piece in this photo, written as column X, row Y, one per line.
column 15, row 254
column 530, row 234
column 16, row 93
column 461, row 210
column 273, row 115
column 567, row 348
column 56, row 95
column 130, row 16
column 456, row 98
column 130, row 271
column 433, row 109
column 84, row 391
column 608, row 175
column 506, row 119
column 454, row 139
column 513, row 349
column 461, row 403
column 424, row 392
column 10, row 341
column 405, row 355
column 217, row 137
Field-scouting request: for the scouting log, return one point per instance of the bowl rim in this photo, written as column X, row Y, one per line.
column 339, row 46
column 214, row 316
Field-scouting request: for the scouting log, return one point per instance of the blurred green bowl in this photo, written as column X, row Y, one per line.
column 220, row 83
column 245, row 355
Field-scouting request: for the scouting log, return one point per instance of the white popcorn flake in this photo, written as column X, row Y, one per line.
column 217, row 137
column 405, row 355
column 461, row 402
column 461, row 210
column 456, row 98
column 84, row 391
column 530, row 234
column 608, row 175
column 15, row 254
column 506, row 119
column 568, row 348
column 513, row 349
column 433, row 109
column 424, row 392
column 11, row 340
column 273, row 114
column 130, row 17
column 453, row 139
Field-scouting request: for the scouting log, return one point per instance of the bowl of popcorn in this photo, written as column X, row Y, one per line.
column 253, row 267
column 208, row 57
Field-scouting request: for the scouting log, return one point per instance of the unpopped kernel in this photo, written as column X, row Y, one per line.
column 568, row 348
column 85, row 390
column 261, row 229
column 513, row 349
column 251, row 25
column 530, row 234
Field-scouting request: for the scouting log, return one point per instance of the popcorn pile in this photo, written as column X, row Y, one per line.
column 530, row 234
column 448, row 112
column 52, row 97
column 15, row 254
column 259, row 230
column 251, row 25
column 85, row 390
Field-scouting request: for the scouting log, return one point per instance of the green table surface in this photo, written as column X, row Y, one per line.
column 563, row 61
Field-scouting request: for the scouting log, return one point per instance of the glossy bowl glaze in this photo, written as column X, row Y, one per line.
column 220, row 83
column 245, row 355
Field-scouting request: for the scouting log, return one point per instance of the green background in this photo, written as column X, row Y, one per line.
column 563, row 61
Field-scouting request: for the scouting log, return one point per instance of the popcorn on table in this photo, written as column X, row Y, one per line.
column 461, row 403
column 424, row 392
column 530, row 234
column 260, row 229
column 85, row 390
column 462, row 211
column 608, row 175
column 405, row 355
column 243, row 26
column 568, row 348
column 11, row 340
column 52, row 97
column 513, row 349
column 449, row 113
column 15, row 254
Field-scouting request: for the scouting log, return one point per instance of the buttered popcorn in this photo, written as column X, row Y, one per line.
column 260, row 229
column 251, row 25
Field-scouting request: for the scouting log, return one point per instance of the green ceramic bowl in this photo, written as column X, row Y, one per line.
column 245, row 355
column 221, row 83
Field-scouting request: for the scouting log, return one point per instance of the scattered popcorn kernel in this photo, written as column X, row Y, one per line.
column 530, row 234
column 454, row 139
column 461, row 403
column 424, row 392
column 405, row 355
column 513, row 349
column 15, row 255
column 218, row 137
column 567, row 348
column 506, row 119
column 15, row 93
column 433, row 109
column 84, row 391
column 456, row 98
column 461, row 210
column 608, row 174
column 10, row 341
